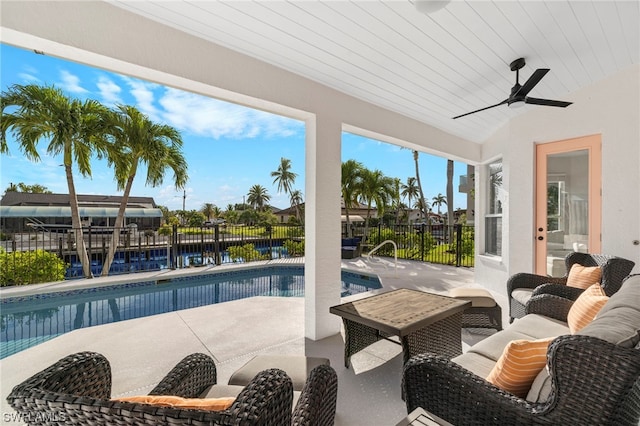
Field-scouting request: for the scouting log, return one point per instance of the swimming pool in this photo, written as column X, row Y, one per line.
column 30, row 320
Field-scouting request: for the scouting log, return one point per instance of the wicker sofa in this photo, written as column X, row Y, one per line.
column 77, row 390
column 592, row 377
column 522, row 286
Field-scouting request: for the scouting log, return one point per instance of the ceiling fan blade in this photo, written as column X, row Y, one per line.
column 533, row 80
column 547, row 102
column 482, row 109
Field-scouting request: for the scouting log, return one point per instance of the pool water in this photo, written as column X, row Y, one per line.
column 30, row 320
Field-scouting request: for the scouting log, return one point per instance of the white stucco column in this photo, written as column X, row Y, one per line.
column 322, row 226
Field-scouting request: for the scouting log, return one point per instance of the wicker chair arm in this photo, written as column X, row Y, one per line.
column 527, row 280
column 189, row 378
column 266, row 400
column 455, row 394
column 585, row 368
column 568, row 292
column 550, row 306
column 317, row 403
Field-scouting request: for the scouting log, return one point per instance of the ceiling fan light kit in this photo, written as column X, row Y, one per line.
column 518, row 96
column 429, row 6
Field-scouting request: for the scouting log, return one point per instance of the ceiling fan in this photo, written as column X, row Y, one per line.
column 518, row 96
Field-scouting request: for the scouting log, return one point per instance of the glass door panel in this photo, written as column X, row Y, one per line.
column 567, row 202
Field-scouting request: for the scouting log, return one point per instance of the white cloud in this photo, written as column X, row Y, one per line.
column 144, row 96
column 209, row 117
column 28, row 78
column 109, row 90
column 71, row 82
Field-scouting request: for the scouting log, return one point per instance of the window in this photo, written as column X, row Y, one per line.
column 493, row 216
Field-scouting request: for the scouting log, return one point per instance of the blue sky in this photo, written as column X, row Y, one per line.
column 229, row 148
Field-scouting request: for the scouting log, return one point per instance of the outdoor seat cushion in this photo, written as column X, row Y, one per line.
column 522, row 295
column 539, row 326
column 478, row 364
column 350, row 242
column 493, row 346
column 296, row 367
column 540, row 388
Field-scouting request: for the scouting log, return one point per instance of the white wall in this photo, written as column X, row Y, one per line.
column 610, row 108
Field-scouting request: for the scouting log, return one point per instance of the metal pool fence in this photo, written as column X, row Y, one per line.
column 30, row 256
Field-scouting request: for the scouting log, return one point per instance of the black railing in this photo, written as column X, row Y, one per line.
column 443, row 244
column 34, row 255
column 40, row 255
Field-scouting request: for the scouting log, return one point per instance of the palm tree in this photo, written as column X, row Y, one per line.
column 296, row 199
column 73, row 128
column 208, row 210
column 351, row 180
column 258, row 197
column 375, row 188
column 284, row 177
column 138, row 140
column 217, row 212
column 438, row 201
column 11, row 188
column 410, row 190
column 423, row 202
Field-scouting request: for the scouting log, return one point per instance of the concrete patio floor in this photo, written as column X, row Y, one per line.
column 141, row 351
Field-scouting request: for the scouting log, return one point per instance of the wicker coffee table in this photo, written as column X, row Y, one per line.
column 425, row 322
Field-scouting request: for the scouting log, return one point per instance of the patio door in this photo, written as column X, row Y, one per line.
column 568, row 201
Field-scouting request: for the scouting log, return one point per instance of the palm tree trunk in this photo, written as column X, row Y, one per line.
column 450, row 198
column 113, row 246
column 347, row 220
column 76, row 224
column 423, row 203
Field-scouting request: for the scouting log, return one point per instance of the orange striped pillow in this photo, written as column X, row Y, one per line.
column 210, row 404
column 520, row 363
column 586, row 307
column 583, row 276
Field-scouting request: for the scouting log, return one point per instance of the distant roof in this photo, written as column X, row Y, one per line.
column 62, row 200
column 53, row 211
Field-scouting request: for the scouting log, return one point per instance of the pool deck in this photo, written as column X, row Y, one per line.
column 141, row 351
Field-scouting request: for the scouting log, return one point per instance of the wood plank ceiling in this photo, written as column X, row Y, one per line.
column 428, row 67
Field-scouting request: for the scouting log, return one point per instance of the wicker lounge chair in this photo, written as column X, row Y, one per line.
column 77, row 390
column 522, row 286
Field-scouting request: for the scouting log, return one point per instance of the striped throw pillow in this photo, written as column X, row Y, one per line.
column 586, row 307
column 520, row 363
column 583, row 276
column 209, row 404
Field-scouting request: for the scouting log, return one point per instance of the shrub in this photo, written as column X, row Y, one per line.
column 246, row 253
column 165, row 230
column 30, row 267
column 294, row 248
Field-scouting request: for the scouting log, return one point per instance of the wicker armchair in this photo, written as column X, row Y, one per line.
column 525, row 285
column 595, row 383
column 77, row 390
